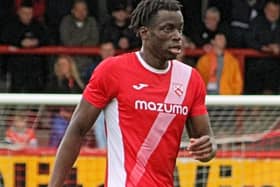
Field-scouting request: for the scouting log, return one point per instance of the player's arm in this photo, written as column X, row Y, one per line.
column 202, row 144
column 82, row 119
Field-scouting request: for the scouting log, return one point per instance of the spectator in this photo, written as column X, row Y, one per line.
column 6, row 12
column 78, row 29
column 19, row 134
column 116, row 29
column 98, row 9
column 106, row 50
column 186, row 44
column 59, row 124
column 55, row 11
column 210, row 27
column 65, row 78
column 192, row 13
column 224, row 7
column 265, row 29
column 5, row 15
column 28, row 72
column 220, row 70
column 3, row 75
column 243, row 12
column 262, row 75
column 129, row 4
column 39, row 7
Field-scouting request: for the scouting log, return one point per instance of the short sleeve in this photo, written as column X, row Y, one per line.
column 102, row 86
column 199, row 93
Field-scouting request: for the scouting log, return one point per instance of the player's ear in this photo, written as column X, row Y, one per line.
column 143, row 31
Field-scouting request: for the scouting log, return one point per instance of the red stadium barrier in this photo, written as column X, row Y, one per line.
column 50, row 50
column 241, row 54
column 76, row 50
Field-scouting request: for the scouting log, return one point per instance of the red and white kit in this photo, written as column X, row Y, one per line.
column 145, row 112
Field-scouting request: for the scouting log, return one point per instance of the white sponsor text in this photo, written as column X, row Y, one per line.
column 161, row 107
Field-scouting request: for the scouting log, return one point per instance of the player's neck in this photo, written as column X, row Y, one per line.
column 153, row 59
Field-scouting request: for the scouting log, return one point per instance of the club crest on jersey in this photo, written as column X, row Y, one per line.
column 178, row 89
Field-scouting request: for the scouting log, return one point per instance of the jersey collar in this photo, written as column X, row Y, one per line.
column 151, row 68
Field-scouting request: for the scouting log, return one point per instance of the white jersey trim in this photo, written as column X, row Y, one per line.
column 116, row 176
column 151, row 68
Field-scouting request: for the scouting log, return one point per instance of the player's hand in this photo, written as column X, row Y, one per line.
column 202, row 149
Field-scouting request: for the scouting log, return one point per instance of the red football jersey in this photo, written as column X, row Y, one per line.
column 145, row 113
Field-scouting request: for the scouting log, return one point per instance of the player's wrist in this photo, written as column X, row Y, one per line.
column 211, row 155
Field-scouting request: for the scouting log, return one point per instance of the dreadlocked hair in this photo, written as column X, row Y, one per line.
column 142, row 14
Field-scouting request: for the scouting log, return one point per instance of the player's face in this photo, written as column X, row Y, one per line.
column 164, row 36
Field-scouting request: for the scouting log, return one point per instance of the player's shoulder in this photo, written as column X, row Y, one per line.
column 182, row 65
column 118, row 60
column 195, row 76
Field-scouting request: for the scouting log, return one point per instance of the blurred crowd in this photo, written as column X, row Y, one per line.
column 211, row 25
column 105, row 24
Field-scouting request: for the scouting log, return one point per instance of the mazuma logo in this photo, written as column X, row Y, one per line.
column 161, row 107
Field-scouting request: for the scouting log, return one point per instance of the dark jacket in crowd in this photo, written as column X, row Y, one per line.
column 62, row 86
column 112, row 32
column 202, row 35
column 28, row 72
column 262, row 74
column 262, row 32
column 55, row 11
column 238, row 14
column 6, row 12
